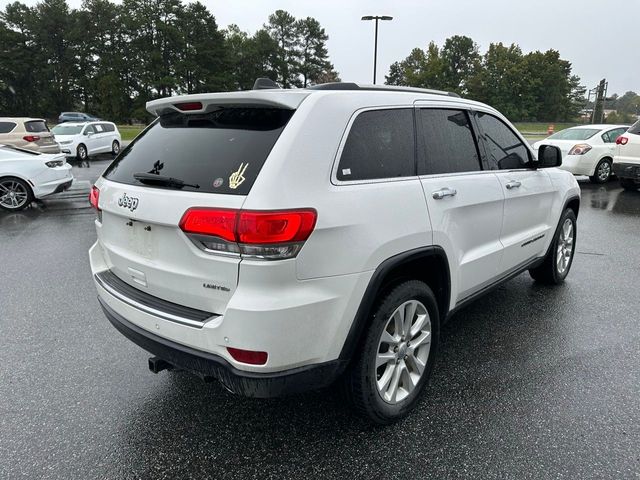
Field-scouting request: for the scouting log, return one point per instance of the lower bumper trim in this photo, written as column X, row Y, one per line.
column 210, row 366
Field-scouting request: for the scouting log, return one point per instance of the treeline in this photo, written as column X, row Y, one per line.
column 537, row 86
column 109, row 59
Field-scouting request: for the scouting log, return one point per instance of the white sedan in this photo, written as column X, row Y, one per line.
column 587, row 149
column 26, row 175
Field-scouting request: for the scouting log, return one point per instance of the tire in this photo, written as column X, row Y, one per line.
column 602, row 172
column 115, row 147
column 628, row 184
column 554, row 270
column 404, row 367
column 81, row 153
column 15, row 194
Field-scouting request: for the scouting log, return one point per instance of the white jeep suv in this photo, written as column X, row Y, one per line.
column 277, row 240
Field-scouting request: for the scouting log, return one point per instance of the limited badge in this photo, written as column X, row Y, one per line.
column 217, row 182
column 237, row 178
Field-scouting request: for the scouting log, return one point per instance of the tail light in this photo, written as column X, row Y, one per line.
column 31, row 138
column 94, row 197
column 269, row 235
column 188, row 106
column 248, row 356
column 622, row 140
column 580, row 149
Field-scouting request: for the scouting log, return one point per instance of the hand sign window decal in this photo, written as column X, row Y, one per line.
column 236, row 178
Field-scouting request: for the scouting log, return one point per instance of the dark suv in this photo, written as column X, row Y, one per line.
column 76, row 117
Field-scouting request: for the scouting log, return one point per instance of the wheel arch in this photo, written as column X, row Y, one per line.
column 428, row 264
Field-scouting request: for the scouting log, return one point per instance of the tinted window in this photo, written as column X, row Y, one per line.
column 98, row 128
column 380, row 144
column 221, row 152
column 504, row 148
column 107, row 127
column 635, row 128
column 611, row 135
column 6, row 127
column 447, row 143
column 36, row 126
column 89, row 129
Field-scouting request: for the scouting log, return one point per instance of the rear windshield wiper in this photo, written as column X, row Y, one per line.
column 153, row 179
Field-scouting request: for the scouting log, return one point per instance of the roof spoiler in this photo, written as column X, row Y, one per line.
column 265, row 84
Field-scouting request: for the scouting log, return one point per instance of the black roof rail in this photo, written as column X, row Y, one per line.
column 264, row 84
column 379, row 88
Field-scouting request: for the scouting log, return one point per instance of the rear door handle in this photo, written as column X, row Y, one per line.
column 513, row 184
column 444, row 192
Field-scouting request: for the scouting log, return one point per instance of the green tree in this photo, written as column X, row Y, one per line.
column 460, row 62
column 282, row 28
column 314, row 57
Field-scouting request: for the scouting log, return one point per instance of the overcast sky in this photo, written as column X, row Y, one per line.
column 600, row 38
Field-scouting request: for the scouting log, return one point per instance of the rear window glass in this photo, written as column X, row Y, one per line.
column 380, row 145
column 635, row 128
column 36, row 126
column 575, row 134
column 217, row 152
column 6, row 127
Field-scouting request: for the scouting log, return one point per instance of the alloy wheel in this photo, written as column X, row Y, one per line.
column 565, row 246
column 604, row 171
column 13, row 194
column 403, row 351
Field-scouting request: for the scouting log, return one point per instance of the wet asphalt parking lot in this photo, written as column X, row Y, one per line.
column 531, row 382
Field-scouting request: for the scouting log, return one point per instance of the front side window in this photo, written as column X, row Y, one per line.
column 380, row 144
column 504, row 149
column 447, row 144
column 89, row 129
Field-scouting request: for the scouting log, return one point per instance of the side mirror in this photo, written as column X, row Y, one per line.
column 549, row 156
column 88, row 134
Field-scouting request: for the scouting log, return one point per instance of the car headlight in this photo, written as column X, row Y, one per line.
column 65, row 142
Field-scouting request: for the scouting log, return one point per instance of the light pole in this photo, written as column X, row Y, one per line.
column 375, row 45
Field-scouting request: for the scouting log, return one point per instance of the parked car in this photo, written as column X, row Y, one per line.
column 29, row 133
column 82, row 140
column 587, row 149
column 76, row 117
column 280, row 240
column 26, row 175
column 626, row 162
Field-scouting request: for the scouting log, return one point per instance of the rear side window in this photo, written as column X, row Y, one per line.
column 107, row 127
column 635, row 128
column 6, row 127
column 217, row 152
column 98, row 128
column 36, row 126
column 380, row 144
column 612, row 135
column 505, row 150
column 447, row 142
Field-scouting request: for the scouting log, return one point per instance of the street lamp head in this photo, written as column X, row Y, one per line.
column 377, row 17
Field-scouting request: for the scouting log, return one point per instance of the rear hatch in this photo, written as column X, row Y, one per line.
column 183, row 160
column 39, row 133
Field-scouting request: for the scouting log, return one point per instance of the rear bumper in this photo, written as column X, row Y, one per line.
column 210, row 366
column 627, row 170
column 53, row 180
column 579, row 164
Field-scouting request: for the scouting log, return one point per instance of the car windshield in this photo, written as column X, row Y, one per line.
column 66, row 130
column 574, row 134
